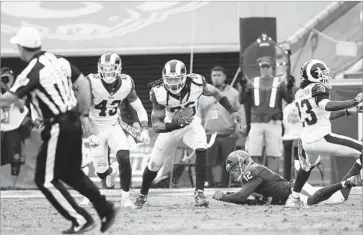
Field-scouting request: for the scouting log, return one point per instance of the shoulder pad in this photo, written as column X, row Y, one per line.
column 197, row 79
column 319, row 89
column 124, row 76
column 152, row 96
column 251, row 172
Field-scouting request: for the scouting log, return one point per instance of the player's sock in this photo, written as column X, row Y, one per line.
column 301, row 178
column 353, row 171
column 323, row 194
column 125, row 194
column 147, row 178
column 200, row 168
column 123, row 159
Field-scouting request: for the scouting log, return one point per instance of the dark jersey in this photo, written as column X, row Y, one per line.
column 272, row 185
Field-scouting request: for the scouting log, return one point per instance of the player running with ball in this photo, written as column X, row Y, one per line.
column 174, row 116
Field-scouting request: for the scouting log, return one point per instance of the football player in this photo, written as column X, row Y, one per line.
column 262, row 181
column 109, row 87
column 174, row 116
column 315, row 107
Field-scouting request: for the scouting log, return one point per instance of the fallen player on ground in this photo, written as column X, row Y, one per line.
column 267, row 187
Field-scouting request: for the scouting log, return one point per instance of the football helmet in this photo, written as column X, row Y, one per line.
column 174, row 76
column 109, row 67
column 237, row 163
column 316, row 71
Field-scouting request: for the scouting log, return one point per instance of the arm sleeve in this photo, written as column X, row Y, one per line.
column 241, row 196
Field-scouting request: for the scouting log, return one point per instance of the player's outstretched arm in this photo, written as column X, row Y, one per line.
column 241, row 196
column 323, row 101
column 346, row 112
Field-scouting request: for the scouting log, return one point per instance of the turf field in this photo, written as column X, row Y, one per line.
column 172, row 212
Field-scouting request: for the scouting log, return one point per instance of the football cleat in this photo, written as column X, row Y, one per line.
column 200, row 199
column 292, row 202
column 140, row 201
column 351, row 181
column 108, row 220
column 126, row 202
column 87, row 226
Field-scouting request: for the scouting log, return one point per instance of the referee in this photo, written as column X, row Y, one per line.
column 47, row 81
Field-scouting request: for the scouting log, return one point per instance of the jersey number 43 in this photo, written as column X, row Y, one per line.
column 306, row 113
column 106, row 109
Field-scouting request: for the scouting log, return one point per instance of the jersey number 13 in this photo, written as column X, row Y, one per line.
column 306, row 113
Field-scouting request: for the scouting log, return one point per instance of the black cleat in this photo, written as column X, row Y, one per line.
column 139, row 201
column 200, row 199
column 88, row 226
column 108, row 220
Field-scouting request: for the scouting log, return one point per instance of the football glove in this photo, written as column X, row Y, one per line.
column 144, row 136
column 359, row 98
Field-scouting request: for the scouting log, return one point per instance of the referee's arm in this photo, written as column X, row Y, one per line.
column 84, row 89
column 21, row 87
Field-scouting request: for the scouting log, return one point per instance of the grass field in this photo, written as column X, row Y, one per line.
column 172, row 212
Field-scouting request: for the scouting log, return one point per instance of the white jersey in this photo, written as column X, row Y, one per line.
column 105, row 106
column 315, row 120
column 194, row 87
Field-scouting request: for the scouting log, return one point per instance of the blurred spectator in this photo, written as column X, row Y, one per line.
column 12, row 140
column 264, row 96
column 216, row 119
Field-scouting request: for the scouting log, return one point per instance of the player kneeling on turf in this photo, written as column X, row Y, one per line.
column 259, row 179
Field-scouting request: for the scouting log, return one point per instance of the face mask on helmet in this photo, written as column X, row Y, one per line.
column 109, row 72
column 234, row 170
column 174, row 83
column 324, row 77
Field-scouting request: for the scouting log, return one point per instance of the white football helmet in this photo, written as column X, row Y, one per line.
column 109, row 67
column 316, row 71
column 174, row 76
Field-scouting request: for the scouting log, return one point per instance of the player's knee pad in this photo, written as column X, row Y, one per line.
column 123, row 156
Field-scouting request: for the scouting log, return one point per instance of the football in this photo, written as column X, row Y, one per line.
column 183, row 116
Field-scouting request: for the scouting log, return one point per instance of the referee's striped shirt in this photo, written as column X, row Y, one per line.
column 47, row 81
